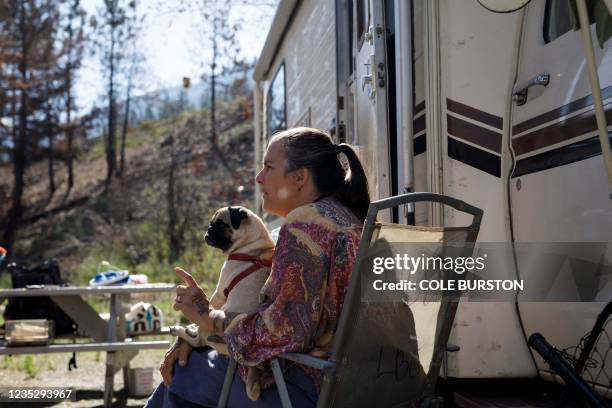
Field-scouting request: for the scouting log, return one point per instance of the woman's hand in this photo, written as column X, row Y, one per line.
column 192, row 301
column 178, row 351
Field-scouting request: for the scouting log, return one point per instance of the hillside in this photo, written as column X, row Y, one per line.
column 128, row 222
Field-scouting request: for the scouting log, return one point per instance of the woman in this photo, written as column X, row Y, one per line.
column 324, row 207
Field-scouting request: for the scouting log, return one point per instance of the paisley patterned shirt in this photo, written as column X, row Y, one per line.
column 303, row 296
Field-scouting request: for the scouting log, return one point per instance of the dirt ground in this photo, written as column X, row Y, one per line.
column 51, row 370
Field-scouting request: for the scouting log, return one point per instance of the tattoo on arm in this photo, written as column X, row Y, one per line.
column 201, row 304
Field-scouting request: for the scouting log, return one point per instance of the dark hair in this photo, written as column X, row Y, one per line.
column 314, row 149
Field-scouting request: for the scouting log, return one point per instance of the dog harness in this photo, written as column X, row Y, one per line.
column 258, row 263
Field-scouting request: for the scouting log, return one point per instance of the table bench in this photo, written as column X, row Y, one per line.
column 109, row 336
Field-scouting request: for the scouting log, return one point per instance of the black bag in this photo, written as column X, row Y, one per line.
column 39, row 307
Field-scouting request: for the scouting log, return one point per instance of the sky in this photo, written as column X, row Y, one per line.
column 174, row 47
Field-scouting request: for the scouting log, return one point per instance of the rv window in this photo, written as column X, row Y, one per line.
column 557, row 19
column 277, row 109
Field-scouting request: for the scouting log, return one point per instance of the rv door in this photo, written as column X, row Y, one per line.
column 371, row 118
column 558, row 187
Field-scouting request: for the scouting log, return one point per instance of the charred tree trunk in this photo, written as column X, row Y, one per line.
column 49, row 131
column 213, row 119
column 70, row 129
column 51, row 171
column 126, row 119
column 15, row 213
column 172, row 212
column 111, row 155
column 214, row 139
column 74, row 53
column 70, row 154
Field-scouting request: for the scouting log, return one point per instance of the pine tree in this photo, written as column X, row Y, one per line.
column 29, row 82
column 112, row 43
column 134, row 59
column 74, row 45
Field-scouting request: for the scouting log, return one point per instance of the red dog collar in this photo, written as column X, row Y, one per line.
column 258, row 263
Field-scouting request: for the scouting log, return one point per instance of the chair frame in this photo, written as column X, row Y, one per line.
column 352, row 297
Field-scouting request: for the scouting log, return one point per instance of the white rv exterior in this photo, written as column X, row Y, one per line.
column 424, row 89
column 300, row 52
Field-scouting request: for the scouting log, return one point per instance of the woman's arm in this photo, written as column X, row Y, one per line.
column 220, row 320
column 288, row 320
column 192, row 301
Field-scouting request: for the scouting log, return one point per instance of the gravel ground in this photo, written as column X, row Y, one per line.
column 51, row 370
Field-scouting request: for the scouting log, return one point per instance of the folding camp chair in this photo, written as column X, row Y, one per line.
column 387, row 350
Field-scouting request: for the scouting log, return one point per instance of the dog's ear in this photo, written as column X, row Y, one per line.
column 237, row 214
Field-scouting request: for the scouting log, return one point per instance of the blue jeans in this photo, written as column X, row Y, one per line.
column 199, row 384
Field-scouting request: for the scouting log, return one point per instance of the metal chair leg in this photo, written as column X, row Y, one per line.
column 280, row 383
column 227, row 383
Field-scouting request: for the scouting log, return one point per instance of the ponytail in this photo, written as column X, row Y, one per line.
column 314, row 149
column 354, row 192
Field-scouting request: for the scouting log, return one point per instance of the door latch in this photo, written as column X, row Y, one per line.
column 369, row 35
column 520, row 96
column 380, row 74
column 370, row 78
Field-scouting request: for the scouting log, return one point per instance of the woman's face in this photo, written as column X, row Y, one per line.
column 277, row 187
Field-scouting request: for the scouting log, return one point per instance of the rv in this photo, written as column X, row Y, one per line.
column 498, row 103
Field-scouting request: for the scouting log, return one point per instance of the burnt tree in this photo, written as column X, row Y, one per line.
column 28, row 80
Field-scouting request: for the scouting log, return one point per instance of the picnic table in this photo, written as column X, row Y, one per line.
column 109, row 336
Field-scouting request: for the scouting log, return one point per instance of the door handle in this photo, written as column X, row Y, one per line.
column 520, row 96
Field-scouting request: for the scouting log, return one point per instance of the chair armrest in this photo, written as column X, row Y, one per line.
column 305, row 359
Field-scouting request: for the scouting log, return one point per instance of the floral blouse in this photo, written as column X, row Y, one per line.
column 312, row 264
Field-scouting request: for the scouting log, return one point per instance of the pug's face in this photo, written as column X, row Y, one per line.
column 222, row 230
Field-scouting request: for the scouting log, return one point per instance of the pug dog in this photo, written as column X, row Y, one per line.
column 248, row 247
